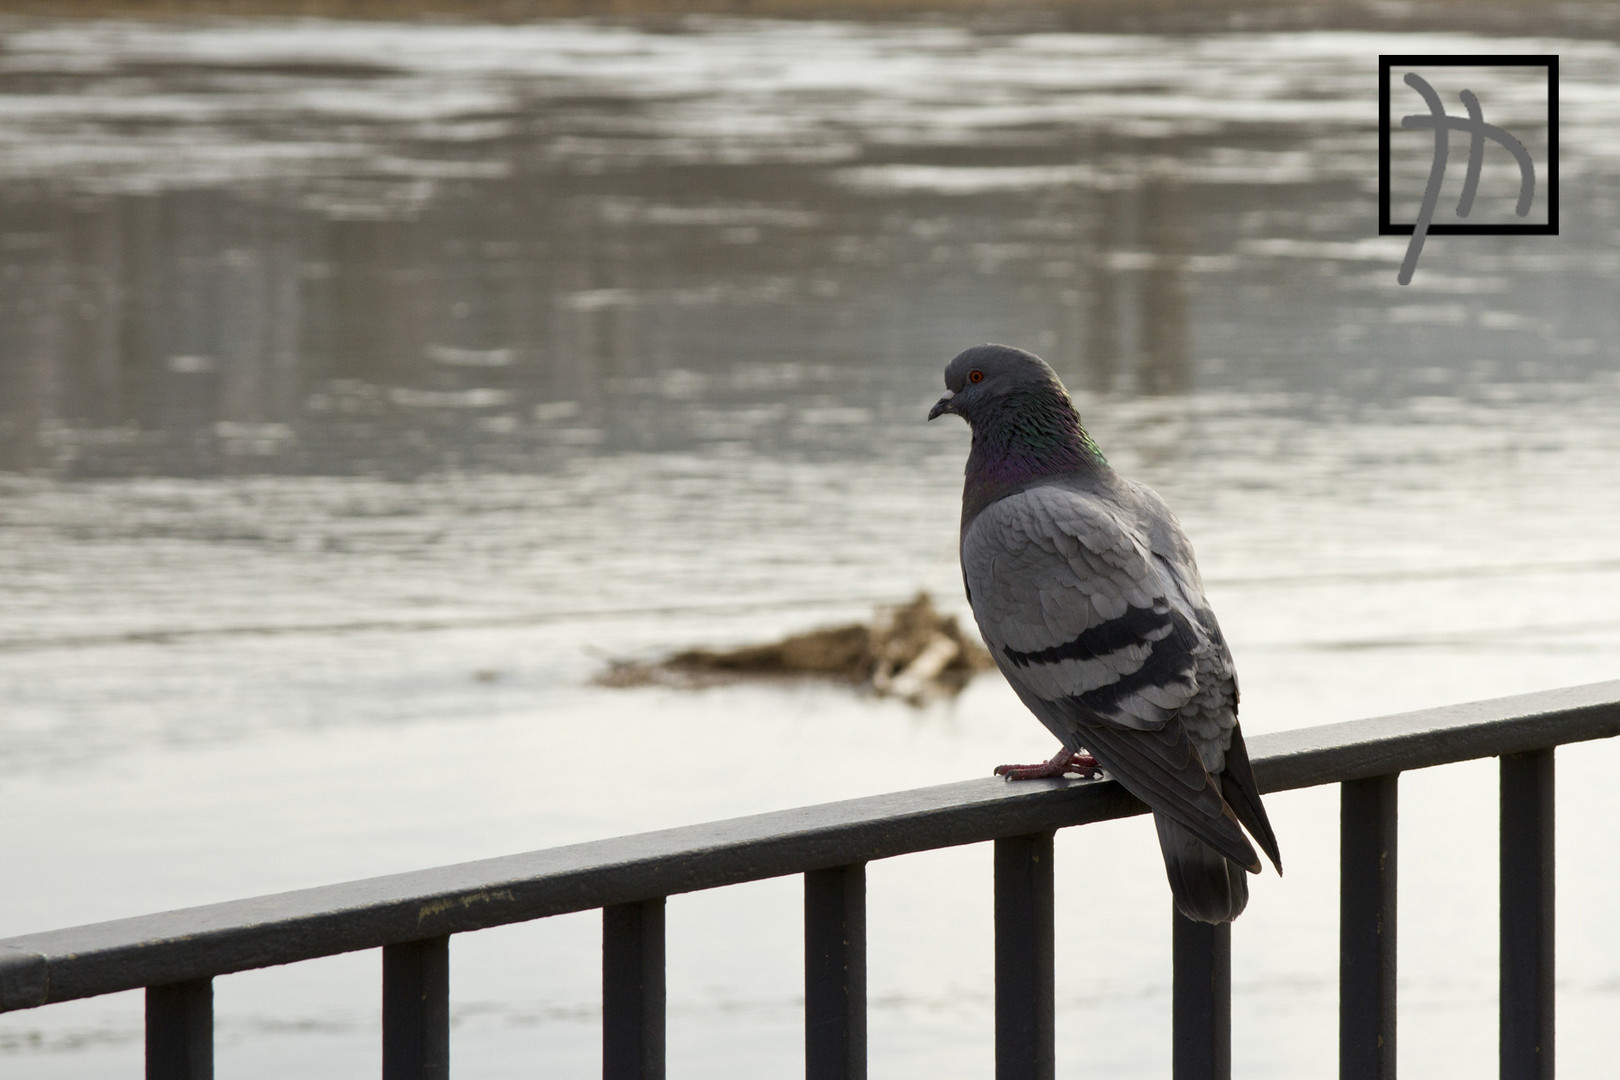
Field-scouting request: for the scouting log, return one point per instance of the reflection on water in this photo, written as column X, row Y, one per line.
column 381, row 251
column 1166, row 363
column 365, row 387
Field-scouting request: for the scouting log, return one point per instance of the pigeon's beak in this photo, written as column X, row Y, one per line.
column 943, row 405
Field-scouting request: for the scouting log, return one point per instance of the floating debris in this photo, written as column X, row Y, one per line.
column 911, row 651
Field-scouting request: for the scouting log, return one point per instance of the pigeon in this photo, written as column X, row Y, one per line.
column 1085, row 590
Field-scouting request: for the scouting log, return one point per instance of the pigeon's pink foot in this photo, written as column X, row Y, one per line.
column 1062, row 763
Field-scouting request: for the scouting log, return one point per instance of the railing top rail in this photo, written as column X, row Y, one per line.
column 84, row 961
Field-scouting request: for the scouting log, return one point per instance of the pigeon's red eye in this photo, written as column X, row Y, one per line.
column 975, row 375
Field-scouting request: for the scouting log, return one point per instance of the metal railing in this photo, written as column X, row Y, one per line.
column 175, row 955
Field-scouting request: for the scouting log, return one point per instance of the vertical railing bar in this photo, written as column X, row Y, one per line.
column 416, row 1010
column 835, row 973
column 180, row 1031
column 1367, row 865
column 1201, row 1000
column 1026, row 1037
column 1527, row 894
column 633, row 991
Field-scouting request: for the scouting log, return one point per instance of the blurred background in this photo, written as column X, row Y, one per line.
column 372, row 375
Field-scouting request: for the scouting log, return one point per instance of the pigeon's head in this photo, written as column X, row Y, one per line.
column 982, row 379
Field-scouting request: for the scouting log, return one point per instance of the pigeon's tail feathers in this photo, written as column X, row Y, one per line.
column 1207, row 886
column 1242, row 794
column 1162, row 768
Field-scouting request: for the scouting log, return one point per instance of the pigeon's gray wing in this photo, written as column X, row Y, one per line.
column 1211, row 717
column 1097, row 637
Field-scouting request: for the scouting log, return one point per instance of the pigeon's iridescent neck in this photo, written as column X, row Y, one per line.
column 1026, row 439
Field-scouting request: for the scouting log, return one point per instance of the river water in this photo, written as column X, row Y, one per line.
column 366, row 387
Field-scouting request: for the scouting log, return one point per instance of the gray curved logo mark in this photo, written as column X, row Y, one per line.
column 1478, row 130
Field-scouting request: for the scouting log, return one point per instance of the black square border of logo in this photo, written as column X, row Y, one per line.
column 1546, row 60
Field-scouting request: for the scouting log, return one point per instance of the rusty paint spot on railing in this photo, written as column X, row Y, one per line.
column 483, row 896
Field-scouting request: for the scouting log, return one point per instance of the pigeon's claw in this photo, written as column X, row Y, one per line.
column 1061, row 763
